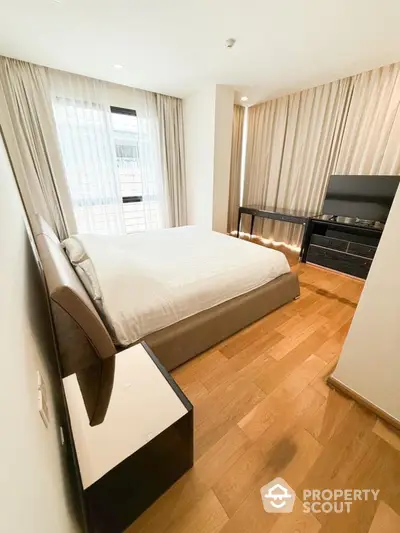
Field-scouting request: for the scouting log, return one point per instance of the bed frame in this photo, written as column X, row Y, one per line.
column 86, row 347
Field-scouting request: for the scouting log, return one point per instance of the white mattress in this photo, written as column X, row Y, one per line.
column 148, row 281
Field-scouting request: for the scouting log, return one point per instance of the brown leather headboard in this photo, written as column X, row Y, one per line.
column 84, row 344
column 82, row 336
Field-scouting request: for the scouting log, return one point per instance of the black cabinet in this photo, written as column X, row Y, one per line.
column 347, row 248
column 329, row 242
column 343, row 262
column 362, row 249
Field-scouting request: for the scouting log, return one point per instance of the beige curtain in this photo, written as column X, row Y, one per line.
column 236, row 162
column 351, row 126
column 292, row 148
column 27, row 122
column 170, row 114
column 371, row 141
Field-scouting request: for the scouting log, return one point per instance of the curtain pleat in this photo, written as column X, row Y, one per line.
column 371, row 137
column 236, row 162
column 170, row 114
column 30, row 135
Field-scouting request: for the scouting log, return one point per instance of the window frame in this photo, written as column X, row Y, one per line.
column 130, row 112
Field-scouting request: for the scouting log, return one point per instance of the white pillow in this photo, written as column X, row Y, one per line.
column 75, row 250
column 87, row 274
column 83, row 267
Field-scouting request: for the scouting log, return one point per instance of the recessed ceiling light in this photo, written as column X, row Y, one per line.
column 230, row 43
column 244, row 99
column 118, row 66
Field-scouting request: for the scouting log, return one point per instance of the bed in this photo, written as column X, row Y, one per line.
column 180, row 290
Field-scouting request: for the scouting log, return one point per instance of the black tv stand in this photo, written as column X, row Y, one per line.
column 341, row 246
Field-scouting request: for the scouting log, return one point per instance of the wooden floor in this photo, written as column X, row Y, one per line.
column 263, row 409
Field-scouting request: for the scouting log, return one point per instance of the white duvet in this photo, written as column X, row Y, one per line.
column 150, row 280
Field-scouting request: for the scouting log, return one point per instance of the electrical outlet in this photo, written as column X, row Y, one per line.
column 43, row 405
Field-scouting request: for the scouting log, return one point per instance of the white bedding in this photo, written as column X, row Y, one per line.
column 150, row 280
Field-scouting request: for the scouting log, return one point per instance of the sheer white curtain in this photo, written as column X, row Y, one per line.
column 82, row 108
column 155, row 202
column 83, row 119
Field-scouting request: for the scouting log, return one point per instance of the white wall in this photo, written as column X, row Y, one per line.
column 222, row 155
column 370, row 360
column 33, row 494
column 208, row 116
column 199, row 124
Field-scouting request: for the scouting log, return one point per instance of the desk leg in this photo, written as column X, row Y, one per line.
column 252, row 225
column 238, row 226
column 305, row 242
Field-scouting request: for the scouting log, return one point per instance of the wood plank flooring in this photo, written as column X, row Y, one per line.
column 263, row 410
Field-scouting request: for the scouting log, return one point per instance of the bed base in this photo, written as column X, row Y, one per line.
column 176, row 344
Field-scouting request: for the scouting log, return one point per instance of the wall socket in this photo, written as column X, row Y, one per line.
column 43, row 405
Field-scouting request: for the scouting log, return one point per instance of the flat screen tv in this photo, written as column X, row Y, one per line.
column 360, row 197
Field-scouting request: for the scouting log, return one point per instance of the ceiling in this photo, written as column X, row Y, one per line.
column 177, row 46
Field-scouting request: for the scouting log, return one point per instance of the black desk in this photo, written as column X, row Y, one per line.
column 275, row 213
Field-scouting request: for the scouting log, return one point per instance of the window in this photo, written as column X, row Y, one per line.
column 103, row 165
column 126, row 139
column 89, row 163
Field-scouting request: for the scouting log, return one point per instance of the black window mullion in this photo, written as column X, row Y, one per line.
column 132, row 199
column 123, row 111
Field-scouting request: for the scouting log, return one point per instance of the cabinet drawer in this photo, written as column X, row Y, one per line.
column 329, row 242
column 343, row 262
column 362, row 249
